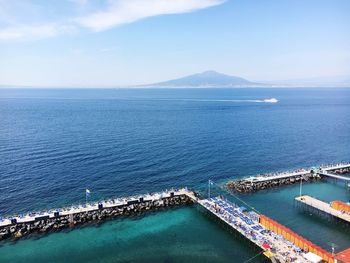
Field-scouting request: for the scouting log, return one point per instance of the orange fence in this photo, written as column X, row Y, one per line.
column 340, row 206
column 297, row 240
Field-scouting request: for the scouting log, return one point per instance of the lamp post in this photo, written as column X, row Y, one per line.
column 209, row 188
column 87, row 193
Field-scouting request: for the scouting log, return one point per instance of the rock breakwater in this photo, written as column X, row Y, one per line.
column 266, row 181
column 57, row 221
column 344, row 170
column 251, row 185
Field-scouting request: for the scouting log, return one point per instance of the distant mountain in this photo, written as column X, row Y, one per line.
column 208, row 79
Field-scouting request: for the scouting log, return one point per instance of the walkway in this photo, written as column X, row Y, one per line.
column 247, row 223
column 322, row 206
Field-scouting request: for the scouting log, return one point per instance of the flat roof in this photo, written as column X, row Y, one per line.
column 344, row 256
column 313, row 257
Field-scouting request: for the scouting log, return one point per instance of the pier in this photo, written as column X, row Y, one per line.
column 325, row 208
column 55, row 219
column 335, row 176
column 276, row 242
column 261, row 182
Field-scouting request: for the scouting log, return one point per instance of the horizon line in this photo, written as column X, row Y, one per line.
column 265, row 86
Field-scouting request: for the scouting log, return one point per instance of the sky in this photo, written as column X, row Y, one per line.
column 97, row 43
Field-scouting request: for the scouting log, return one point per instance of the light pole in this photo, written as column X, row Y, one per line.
column 87, row 193
column 209, row 183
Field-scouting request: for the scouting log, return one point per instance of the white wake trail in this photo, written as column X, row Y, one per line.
column 271, row 100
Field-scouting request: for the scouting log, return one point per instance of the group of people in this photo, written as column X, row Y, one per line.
column 247, row 223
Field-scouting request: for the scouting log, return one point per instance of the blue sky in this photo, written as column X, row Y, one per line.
column 125, row 42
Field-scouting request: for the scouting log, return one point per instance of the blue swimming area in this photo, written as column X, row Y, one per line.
column 56, row 143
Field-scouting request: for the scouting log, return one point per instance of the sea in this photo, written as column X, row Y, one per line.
column 55, row 143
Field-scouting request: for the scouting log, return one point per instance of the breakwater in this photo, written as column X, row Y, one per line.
column 16, row 227
column 342, row 168
column 266, row 181
column 269, row 181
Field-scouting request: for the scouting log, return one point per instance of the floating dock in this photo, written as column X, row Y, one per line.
column 326, row 208
column 260, row 182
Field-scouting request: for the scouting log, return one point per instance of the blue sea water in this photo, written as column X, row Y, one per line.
column 54, row 143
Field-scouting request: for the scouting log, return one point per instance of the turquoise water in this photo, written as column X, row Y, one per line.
column 279, row 205
column 184, row 234
column 56, row 143
column 180, row 235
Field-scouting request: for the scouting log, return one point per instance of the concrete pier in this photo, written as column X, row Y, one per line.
column 310, row 202
column 335, row 176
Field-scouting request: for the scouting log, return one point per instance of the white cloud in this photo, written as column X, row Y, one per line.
column 80, row 2
column 127, row 11
column 116, row 13
column 27, row 32
column 20, row 33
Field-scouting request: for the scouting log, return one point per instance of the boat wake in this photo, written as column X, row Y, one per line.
column 271, row 100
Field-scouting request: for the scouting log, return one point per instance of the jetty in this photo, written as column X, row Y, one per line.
column 55, row 219
column 261, row 182
column 276, row 242
column 335, row 176
column 335, row 209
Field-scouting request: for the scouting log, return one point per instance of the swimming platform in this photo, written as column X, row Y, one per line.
column 275, row 241
column 335, row 209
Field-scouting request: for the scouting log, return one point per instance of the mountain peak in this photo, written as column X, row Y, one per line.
column 210, row 72
column 209, row 78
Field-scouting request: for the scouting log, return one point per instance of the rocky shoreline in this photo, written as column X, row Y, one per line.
column 19, row 230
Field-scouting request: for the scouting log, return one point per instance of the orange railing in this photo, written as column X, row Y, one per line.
column 340, row 206
column 293, row 237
